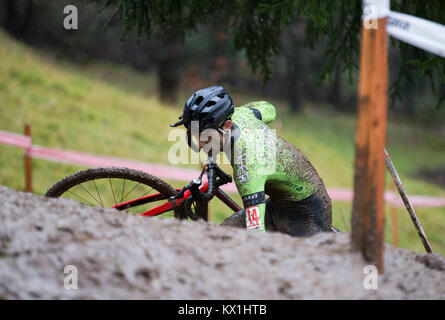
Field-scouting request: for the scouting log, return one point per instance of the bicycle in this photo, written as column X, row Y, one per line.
column 189, row 202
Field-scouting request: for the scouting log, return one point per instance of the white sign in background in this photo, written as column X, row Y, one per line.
column 418, row 32
column 421, row 33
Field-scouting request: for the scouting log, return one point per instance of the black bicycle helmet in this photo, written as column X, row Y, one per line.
column 210, row 106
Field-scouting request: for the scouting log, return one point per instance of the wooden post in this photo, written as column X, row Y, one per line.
column 394, row 221
column 367, row 220
column 28, row 162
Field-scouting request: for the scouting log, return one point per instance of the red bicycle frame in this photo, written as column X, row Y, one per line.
column 172, row 204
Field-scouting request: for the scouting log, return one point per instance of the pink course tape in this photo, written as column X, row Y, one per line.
column 173, row 173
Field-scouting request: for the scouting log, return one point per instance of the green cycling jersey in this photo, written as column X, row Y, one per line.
column 264, row 163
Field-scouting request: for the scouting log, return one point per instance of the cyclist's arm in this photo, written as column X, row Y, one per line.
column 250, row 185
column 263, row 110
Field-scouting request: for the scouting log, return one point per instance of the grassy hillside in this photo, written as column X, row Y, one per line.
column 112, row 110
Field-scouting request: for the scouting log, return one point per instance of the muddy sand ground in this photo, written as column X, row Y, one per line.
column 125, row 257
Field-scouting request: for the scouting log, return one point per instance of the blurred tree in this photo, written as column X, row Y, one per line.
column 335, row 92
column 211, row 54
column 219, row 63
column 293, row 39
column 169, row 58
column 257, row 27
column 19, row 17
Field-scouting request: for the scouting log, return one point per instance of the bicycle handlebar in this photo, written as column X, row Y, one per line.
column 210, row 192
column 213, row 172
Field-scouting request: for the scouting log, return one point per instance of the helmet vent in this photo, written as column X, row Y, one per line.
column 199, row 100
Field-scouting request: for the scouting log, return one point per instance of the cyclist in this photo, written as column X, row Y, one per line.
column 263, row 163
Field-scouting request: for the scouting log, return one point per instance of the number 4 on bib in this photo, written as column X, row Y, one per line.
column 253, row 221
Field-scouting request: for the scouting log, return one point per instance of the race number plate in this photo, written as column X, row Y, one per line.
column 253, row 221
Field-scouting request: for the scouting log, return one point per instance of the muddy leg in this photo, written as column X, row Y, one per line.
column 303, row 218
column 238, row 220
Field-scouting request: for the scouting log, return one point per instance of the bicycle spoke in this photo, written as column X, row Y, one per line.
column 144, row 194
column 89, row 193
column 80, row 197
column 109, row 180
column 98, row 193
column 122, row 194
column 130, row 191
column 141, row 210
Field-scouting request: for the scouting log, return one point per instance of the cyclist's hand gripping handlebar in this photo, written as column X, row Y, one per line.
column 213, row 171
column 211, row 190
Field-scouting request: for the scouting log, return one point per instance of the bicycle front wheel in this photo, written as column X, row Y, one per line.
column 109, row 187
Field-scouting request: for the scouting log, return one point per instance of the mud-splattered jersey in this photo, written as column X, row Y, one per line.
column 264, row 163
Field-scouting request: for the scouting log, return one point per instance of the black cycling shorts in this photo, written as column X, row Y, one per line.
column 300, row 218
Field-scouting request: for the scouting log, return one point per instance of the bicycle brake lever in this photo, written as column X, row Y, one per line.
column 180, row 194
column 194, row 190
column 227, row 178
column 193, row 184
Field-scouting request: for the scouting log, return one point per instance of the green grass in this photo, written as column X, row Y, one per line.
column 113, row 110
